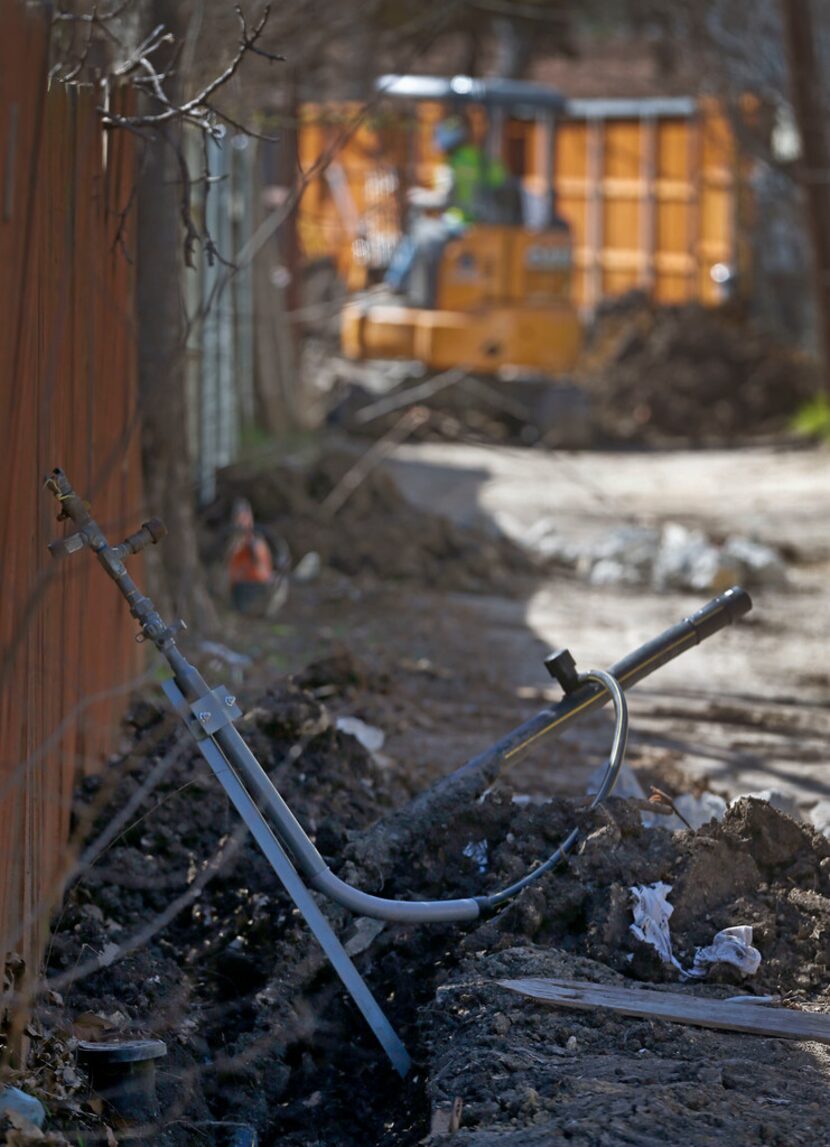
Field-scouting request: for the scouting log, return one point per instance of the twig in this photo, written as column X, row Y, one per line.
column 376, row 454
column 191, row 232
column 92, row 17
column 658, row 797
column 148, row 45
column 242, row 128
column 197, row 109
column 410, row 396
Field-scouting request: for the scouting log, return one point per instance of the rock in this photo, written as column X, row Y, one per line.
column 759, row 565
column 544, row 539
column 819, row 816
column 675, row 557
column 625, row 557
column 364, row 934
column 611, row 571
column 685, row 560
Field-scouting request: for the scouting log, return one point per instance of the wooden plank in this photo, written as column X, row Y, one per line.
column 446, row 1120
column 676, row 1008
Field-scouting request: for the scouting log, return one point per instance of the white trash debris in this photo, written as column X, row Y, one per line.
column 696, row 810
column 308, row 567
column 730, row 946
column 627, row 784
column 652, row 911
column 477, row 850
column 370, row 737
column 651, row 918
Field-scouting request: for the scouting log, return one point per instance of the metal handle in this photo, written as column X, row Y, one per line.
column 150, row 534
column 74, row 508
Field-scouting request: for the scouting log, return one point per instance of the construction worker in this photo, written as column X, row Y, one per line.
column 465, row 182
column 254, row 584
column 463, row 192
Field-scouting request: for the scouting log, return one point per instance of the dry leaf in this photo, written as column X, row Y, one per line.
column 91, row 1025
column 24, row 1130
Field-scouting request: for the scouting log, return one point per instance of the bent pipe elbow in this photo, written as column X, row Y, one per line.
column 398, row 911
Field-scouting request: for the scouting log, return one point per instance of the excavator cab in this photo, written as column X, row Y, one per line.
column 494, row 295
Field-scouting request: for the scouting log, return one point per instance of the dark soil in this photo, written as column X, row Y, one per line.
column 690, row 374
column 376, row 533
column 653, row 376
column 257, row 1026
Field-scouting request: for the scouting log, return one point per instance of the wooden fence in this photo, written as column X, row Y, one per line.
column 68, row 398
column 651, row 188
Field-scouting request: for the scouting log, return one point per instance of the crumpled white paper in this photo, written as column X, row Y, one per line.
column 731, row 946
column 651, row 925
column 651, row 918
column 370, row 737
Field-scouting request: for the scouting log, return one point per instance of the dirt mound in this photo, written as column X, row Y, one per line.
column 690, row 373
column 457, row 408
column 376, row 532
column 234, row 957
column 531, row 1076
column 258, row 1027
column 649, row 375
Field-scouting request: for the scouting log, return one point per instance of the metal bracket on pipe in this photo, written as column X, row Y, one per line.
column 293, row 884
column 286, row 846
column 214, row 710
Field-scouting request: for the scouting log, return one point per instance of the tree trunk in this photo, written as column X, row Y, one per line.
column 514, row 47
column 176, row 571
column 808, row 104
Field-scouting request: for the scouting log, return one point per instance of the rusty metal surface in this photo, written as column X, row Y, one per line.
column 68, row 398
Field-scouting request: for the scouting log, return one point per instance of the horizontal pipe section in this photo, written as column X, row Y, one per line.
column 404, row 911
column 712, row 617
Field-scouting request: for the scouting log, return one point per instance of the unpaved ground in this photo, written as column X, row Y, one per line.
column 749, row 709
column 258, row 1027
column 652, row 376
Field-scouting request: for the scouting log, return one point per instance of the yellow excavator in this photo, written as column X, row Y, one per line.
column 491, row 293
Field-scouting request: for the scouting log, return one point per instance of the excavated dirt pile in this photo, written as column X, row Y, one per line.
column 689, row 373
column 472, row 408
column 648, row 376
column 257, row 1026
column 376, row 532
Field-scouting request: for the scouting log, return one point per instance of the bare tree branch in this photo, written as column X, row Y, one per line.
column 196, row 110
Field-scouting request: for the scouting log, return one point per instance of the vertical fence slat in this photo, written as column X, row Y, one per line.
column 68, row 395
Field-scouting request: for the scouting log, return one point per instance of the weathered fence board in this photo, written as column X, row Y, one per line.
column 68, row 398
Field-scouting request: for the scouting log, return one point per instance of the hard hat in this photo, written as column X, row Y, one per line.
column 449, row 134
